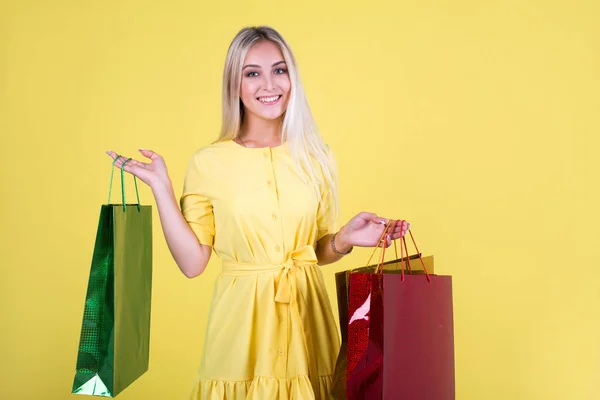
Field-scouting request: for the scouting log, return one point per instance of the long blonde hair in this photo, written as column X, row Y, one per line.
column 299, row 130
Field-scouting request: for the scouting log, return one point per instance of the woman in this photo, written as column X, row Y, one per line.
column 264, row 198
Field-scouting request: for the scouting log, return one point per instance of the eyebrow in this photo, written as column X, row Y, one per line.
column 258, row 66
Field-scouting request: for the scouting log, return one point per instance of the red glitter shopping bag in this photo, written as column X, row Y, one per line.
column 397, row 331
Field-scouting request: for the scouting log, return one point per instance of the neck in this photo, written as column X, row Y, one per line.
column 260, row 131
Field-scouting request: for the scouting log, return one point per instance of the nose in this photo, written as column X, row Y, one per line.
column 268, row 83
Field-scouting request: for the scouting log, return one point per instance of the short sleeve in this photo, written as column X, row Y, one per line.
column 195, row 206
column 326, row 216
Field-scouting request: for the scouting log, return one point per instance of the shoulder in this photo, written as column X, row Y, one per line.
column 214, row 153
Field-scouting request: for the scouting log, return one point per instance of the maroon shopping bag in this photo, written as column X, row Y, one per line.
column 397, row 332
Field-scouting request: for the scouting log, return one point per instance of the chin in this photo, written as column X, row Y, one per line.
column 271, row 117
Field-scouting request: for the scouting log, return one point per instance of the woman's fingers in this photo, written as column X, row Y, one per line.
column 404, row 227
column 387, row 242
column 137, row 164
column 400, row 229
column 118, row 159
column 123, row 160
column 128, row 165
column 150, row 154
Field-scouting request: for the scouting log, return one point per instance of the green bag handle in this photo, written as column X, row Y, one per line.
column 112, row 172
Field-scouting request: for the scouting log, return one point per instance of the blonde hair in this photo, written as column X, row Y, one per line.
column 299, row 129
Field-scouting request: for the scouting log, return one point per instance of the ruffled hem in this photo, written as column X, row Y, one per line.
column 261, row 388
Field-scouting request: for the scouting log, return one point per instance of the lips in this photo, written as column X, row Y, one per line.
column 269, row 100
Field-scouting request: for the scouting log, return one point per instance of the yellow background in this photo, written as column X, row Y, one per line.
column 475, row 120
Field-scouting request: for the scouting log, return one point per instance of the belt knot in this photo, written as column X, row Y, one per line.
column 302, row 257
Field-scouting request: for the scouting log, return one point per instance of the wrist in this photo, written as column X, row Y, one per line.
column 162, row 186
column 341, row 241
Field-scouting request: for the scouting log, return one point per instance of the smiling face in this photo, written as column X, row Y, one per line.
column 265, row 86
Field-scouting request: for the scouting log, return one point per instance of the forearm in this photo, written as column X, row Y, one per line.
column 191, row 257
column 326, row 254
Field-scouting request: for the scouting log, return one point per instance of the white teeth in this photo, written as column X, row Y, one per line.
column 267, row 99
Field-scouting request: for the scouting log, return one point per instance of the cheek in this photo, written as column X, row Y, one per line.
column 247, row 91
column 285, row 84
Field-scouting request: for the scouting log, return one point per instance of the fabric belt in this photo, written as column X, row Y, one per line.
column 286, row 287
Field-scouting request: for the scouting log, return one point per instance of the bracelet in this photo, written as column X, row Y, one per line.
column 336, row 251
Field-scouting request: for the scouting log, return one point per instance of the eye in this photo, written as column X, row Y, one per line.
column 280, row 71
column 252, row 74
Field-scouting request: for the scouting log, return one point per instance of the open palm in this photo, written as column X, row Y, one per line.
column 151, row 173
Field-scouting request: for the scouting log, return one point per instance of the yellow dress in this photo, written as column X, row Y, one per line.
column 270, row 331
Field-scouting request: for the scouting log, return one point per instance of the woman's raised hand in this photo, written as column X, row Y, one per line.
column 152, row 173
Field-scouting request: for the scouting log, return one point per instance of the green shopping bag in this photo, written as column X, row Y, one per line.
column 115, row 334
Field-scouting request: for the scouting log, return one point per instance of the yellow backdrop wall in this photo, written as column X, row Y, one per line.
column 475, row 120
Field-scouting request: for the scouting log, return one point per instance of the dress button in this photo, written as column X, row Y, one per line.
column 274, row 216
column 280, row 352
column 269, row 183
column 277, row 248
column 265, row 155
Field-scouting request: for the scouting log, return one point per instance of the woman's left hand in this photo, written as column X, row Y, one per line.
column 366, row 229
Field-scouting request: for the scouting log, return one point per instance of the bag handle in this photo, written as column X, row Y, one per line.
column 389, row 227
column 407, row 259
column 112, row 172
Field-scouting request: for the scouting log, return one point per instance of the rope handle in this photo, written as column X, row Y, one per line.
column 112, row 172
column 389, row 227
